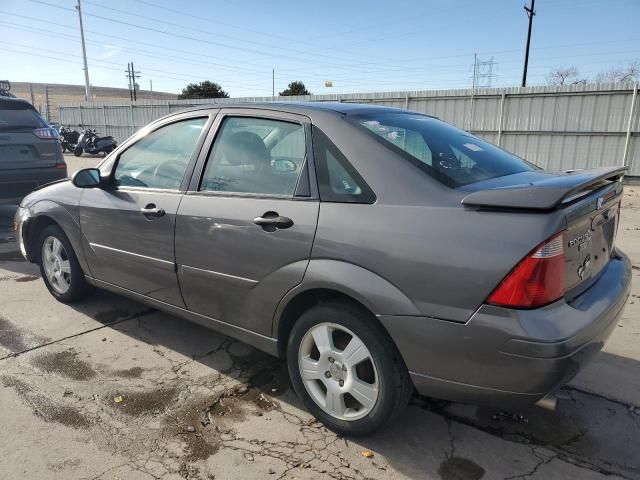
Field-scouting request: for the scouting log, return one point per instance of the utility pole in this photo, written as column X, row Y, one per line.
column 151, row 88
column 273, row 82
column 132, row 75
column 128, row 72
column 530, row 13
column 87, row 86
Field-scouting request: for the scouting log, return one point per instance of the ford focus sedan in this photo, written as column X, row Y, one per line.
column 377, row 250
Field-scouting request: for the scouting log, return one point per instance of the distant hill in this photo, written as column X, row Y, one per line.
column 59, row 94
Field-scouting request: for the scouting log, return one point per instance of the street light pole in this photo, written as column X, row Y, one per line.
column 87, row 85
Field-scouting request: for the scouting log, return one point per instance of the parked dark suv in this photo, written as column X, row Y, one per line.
column 30, row 151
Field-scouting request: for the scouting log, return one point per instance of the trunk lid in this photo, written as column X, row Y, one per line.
column 590, row 201
column 592, row 224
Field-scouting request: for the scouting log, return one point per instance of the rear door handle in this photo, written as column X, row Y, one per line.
column 152, row 211
column 270, row 221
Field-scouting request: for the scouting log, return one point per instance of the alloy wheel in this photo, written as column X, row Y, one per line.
column 338, row 371
column 56, row 264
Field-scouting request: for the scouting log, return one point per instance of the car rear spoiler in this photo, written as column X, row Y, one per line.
column 546, row 194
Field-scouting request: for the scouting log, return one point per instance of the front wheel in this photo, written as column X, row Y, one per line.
column 346, row 369
column 59, row 266
column 77, row 151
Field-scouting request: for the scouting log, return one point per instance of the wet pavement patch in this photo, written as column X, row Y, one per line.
column 43, row 407
column 458, row 468
column 65, row 363
column 236, row 405
column 17, row 340
column 190, row 424
column 134, row 372
column 27, row 278
column 147, row 402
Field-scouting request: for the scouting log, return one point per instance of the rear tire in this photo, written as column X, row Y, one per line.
column 354, row 381
column 77, row 151
column 59, row 266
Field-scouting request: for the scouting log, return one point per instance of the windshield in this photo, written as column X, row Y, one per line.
column 448, row 154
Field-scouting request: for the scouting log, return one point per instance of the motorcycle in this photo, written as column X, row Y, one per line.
column 68, row 139
column 91, row 143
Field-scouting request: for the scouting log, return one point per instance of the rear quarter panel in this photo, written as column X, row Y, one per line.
column 446, row 260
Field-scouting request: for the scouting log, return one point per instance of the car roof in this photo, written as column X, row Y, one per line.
column 308, row 108
column 15, row 103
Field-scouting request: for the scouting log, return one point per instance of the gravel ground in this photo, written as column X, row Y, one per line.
column 110, row 389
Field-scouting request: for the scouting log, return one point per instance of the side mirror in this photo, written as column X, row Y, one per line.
column 87, row 178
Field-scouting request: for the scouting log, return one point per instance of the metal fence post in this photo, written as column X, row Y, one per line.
column 104, row 114
column 627, row 140
column 502, row 97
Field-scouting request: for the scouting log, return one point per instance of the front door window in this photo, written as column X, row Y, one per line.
column 160, row 159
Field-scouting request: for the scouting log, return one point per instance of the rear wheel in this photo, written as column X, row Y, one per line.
column 59, row 266
column 346, row 369
column 77, row 151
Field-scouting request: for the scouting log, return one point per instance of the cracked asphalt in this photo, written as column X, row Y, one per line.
column 110, row 389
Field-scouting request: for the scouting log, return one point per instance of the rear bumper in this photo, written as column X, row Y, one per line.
column 17, row 183
column 512, row 357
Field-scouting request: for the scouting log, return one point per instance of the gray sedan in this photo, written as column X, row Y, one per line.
column 377, row 250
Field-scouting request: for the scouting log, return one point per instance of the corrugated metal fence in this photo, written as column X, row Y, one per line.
column 559, row 128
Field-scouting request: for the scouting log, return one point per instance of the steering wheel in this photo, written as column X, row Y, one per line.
column 130, row 181
column 170, row 169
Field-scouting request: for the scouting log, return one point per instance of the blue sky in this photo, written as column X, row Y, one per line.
column 359, row 45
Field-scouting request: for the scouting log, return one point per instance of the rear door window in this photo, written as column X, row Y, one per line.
column 450, row 155
column 256, row 156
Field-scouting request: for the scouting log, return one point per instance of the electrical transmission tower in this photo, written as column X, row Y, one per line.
column 132, row 76
column 483, row 72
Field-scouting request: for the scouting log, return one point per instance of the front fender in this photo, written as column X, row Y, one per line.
column 371, row 290
column 65, row 219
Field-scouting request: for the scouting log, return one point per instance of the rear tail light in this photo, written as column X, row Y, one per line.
column 536, row 281
column 46, row 133
column 61, row 166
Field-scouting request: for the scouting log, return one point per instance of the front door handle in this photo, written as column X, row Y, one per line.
column 151, row 211
column 270, row 221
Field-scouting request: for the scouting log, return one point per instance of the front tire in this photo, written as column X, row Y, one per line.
column 346, row 369
column 59, row 266
column 77, row 151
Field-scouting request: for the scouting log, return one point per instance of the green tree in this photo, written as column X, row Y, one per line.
column 204, row 89
column 295, row 88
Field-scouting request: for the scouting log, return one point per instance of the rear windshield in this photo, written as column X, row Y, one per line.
column 448, row 154
column 19, row 118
